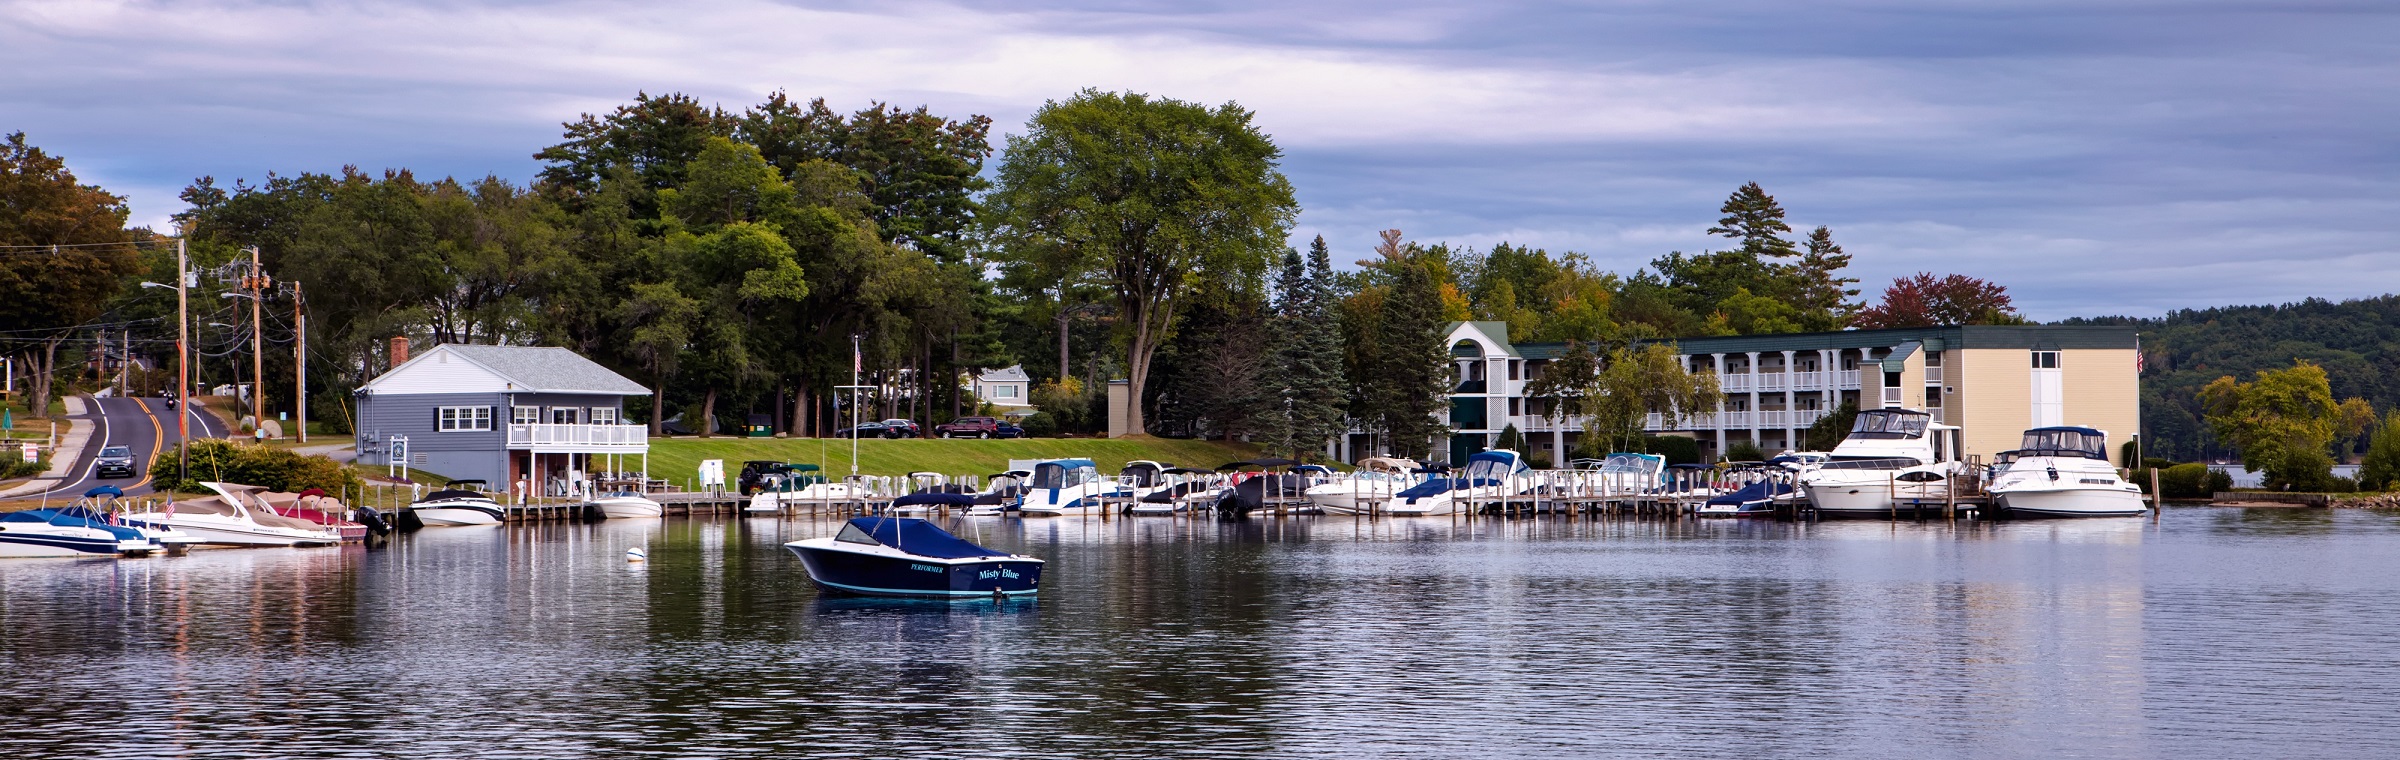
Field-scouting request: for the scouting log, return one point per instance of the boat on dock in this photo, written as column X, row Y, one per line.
column 1070, row 488
column 73, row 531
column 456, row 507
column 1762, row 487
column 106, row 504
column 627, row 505
column 1492, row 474
column 233, row 516
column 1377, row 480
column 2063, row 472
column 1890, row 455
column 1001, row 493
column 909, row 557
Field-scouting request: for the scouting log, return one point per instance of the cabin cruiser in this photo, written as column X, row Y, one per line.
column 909, row 557
column 1069, row 488
column 806, row 490
column 2062, row 472
column 454, row 506
column 1891, row 455
column 235, row 517
column 1376, row 480
column 1489, row 474
column 627, row 505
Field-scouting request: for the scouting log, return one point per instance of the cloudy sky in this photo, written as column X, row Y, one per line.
column 2097, row 156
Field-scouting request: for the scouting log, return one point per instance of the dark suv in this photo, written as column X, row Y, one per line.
column 114, row 462
column 969, row 427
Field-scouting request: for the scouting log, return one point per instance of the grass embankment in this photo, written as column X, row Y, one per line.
column 679, row 458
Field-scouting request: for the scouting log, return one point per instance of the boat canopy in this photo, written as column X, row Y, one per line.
column 1266, row 463
column 1145, row 473
column 1064, row 473
column 103, row 491
column 1387, row 464
column 935, row 499
column 2071, row 442
column 1493, row 465
column 912, row 535
column 1189, row 471
column 1890, row 423
column 448, row 494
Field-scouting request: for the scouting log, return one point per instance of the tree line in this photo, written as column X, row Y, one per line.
column 733, row 261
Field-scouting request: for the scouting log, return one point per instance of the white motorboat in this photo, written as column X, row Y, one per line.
column 69, row 533
column 1000, row 494
column 817, row 493
column 2063, row 472
column 624, row 505
column 1070, row 488
column 1377, row 480
column 1890, row 456
column 1182, row 489
column 235, row 517
column 102, row 503
column 1490, row 474
column 454, row 507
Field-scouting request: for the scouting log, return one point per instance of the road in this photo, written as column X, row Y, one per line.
column 143, row 424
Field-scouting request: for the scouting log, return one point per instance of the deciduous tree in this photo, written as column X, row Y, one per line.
column 1924, row 300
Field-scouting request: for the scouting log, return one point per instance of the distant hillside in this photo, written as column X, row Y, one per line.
column 2357, row 342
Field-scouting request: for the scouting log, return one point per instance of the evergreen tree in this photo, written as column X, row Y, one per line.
column 1287, row 359
column 1413, row 380
column 1319, row 407
column 1753, row 217
column 1824, row 296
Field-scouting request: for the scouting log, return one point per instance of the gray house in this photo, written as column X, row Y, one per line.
column 517, row 417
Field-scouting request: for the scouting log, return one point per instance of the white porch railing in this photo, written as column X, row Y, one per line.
column 1808, row 380
column 1806, row 417
column 1933, row 376
column 1734, row 382
column 1773, row 418
column 1849, row 380
column 1772, row 381
column 558, row 437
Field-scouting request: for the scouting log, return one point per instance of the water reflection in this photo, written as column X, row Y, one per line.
column 2213, row 632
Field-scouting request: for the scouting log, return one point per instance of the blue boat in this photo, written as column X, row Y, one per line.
column 909, row 557
column 1757, row 498
column 56, row 533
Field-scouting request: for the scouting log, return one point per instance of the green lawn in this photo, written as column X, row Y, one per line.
column 679, row 458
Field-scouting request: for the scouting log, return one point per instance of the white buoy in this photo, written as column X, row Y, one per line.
column 636, row 554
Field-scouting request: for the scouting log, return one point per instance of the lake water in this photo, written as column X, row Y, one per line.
column 2215, row 633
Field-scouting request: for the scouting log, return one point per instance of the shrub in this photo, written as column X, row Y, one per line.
column 264, row 466
column 1039, row 425
column 1675, row 448
column 1744, row 451
column 15, row 467
column 2183, row 481
column 1510, row 439
column 1538, row 460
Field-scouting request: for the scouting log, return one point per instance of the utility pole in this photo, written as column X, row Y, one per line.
column 183, row 378
column 124, row 359
column 299, row 363
column 258, row 355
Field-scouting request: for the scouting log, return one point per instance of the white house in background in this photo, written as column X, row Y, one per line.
column 1009, row 389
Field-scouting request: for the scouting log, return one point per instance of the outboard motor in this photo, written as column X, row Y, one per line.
column 373, row 519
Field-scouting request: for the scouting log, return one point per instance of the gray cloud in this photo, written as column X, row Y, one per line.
column 2099, row 157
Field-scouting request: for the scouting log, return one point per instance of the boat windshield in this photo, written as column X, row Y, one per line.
column 2064, row 442
column 1889, row 423
column 1493, row 468
column 1050, row 475
column 851, row 534
column 1870, row 463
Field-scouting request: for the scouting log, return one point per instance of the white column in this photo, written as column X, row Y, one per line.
column 1718, row 361
column 1791, row 423
column 1752, row 422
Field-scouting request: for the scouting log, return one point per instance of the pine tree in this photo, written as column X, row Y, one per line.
column 1416, row 370
column 1753, row 217
column 1279, row 422
column 1824, row 297
column 1318, row 405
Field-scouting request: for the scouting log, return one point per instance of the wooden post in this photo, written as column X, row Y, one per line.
column 2158, row 502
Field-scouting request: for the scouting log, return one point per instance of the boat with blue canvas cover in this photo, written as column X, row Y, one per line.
column 1489, row 474
column 909, row 557
column 1767, row 486
column 1070, row 488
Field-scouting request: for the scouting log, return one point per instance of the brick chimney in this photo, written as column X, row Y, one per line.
column 399, row 350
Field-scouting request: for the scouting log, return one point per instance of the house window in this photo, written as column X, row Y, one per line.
column 524, row 415
column 464, row 419
column 1513, row 369
column 1515, row 407
column 2045, row 360
column 604, row 415
column 1004, row 391
column 565, row 415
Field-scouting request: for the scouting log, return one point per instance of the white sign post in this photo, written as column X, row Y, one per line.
column 712, row 474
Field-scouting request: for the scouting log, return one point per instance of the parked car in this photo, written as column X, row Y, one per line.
column 901, row 429
column 114, row 462
column 971, row 427
column 865, row 430
column 1009, row 430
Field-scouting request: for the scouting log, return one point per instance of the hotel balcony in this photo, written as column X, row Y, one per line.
column 547, row 438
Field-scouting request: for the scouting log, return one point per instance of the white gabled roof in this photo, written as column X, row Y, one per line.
column 464, row 368
column 1014, row 373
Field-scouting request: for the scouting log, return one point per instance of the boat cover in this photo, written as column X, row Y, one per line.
column 448, row 494
column 1430, row 487
column 64, row 520
column 920, row 538
column 935, row 499
column 1755, row 492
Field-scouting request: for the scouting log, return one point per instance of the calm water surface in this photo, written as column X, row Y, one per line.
column 2217, row 633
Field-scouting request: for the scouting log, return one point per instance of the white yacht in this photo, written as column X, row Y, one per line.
column 235, row 517
column 621, row 505
column 1489, row 474
column 1070, row 488
column 1890, row 455
column 2063, row 472
column 454, row 507
column 1377, row 479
